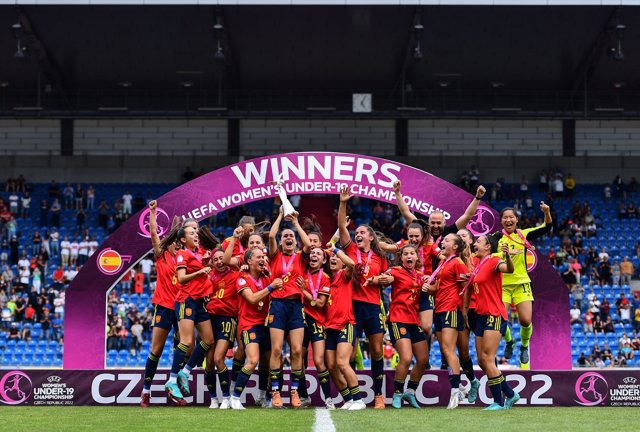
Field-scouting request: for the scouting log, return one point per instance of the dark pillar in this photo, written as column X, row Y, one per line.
column 568, row 137
column 402, row 137
column 233, row 137
column 66, row 137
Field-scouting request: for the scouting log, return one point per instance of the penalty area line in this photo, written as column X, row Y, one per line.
column 323, row 422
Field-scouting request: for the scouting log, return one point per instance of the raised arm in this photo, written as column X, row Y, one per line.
column 228, row 257
column 304, row 238
column 471, row 209
column 345, row 195
column 273, row 232
column 388, row 247
column 348, row 262
column 153, row 228
column 402, row 206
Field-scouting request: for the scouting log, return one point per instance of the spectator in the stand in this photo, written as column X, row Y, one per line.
column 578, row 293
column 570, row 185
column 103, row 214
column 618, row 187
column 45, row 322
column 598, row 325
column 627, row 351
column 83, row 251
column 588, row 322
column 621, row 301
column 622, row 211
column 138, row 282
column 54, row 190
column 146, row 264
column 608, row 326
column 619, row 361
column 626, row 271
column 36, row 241
column 605, row 308
column 127, row 199
column 58, row 278
column 604, row 271
column 56, row 208
column 582, row 361
column 14, row 200
column 136, row 333
column 91, row 197
column 44, row 213
column 575, row 314
column 631, row 211
column 615, row 272
column 79, row 196
column 56, row 326
column 636, row 320
column 70, row 274
column 14, row 332
column 569, row 277
column 81, row 219
column 558, row 187
column 74, row 248
column 635, row 341
column 625, row 314
column 69, row 196
column 624, row 339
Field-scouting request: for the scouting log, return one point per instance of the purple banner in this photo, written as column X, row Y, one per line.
column 304, row 173
column 123, row 387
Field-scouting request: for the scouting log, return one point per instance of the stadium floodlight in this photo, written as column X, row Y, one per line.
column 20, row 51
column 17, row 30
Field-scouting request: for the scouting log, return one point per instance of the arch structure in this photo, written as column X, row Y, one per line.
column 304, row 173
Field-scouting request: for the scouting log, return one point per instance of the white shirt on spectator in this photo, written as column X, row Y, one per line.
column 83, row 248
column 74, row 248
column 145, row 266
column 575, row 314
column 65, row 247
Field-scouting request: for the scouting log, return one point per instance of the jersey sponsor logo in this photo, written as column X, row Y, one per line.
column 162, row 219
column 110, row 262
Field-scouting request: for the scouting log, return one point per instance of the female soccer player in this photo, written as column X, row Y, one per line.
column 222, row 307
column 368, row 277
column 339, row 323
column 406, row 334
column 167, row 287
column 445, row 284
column 516, row 286
column 315, row 286
column 253, row 288
column 485, row 284
column 286, row 313
column 469, row 315
column 192, row 273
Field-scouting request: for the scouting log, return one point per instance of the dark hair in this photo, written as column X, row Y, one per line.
column 464, row 252
column 508, row 209
column 398, row 258
column 423, row 232
column 493, row 242
column 375, row 242
column 248, row 254
column 311, row 226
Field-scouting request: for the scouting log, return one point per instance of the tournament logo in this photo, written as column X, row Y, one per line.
column 15, row 388
column 110, row 262
column 482, row 221
column 531, row 259
column 591, row 389
column 162, row 219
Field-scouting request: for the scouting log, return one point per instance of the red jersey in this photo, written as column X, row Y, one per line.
column 251, row 314
column 238, row 249
column 198, row 287
column 426, row 252
column 339, row 309
column 287, row 268
column 368, row 265
column 487, row 288
column 405, row 295
column 318, row 283
column 167, row 286
column 224, row 300
column 447, row 296
column 473, row 263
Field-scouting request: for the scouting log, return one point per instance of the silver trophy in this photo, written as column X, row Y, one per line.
column 287, row 208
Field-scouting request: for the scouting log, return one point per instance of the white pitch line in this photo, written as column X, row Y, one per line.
column 323, row 421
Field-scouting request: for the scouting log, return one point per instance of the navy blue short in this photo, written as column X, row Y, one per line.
column 285, row 314
column 259, row 335
column 490, row 322
column 193, row 310
column 164, row 318
column 313, row 332
column 399, row 331
column 369, row 318
column 426, row 302
column 448, row 319
column 335, row 337
column 224, row 328
column 472, row 318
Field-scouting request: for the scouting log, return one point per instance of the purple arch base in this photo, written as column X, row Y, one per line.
column 305, row 173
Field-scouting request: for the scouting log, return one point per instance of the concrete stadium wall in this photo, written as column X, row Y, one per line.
column 136, row 150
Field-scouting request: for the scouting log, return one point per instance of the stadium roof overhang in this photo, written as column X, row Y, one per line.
column 417, row 58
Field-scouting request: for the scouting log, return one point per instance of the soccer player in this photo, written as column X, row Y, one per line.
column 485, row 284
column 222, row 307
column 406, row 333
column 253, row 288
column 367, row 305
column 516, row 286
column 339, row 324
column 445, row 284
column 286, row 313
column 469, row 315
column 167, row 287
column 192, row 272
column 316, row 286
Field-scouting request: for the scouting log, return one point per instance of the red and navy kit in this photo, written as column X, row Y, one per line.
column 198, row 287
column 487, row 288
column 368, row 265
column 405, row 292
column 427, row 252
column 450, row 284
column 287, row 268
column 251, row 315
column 224, row 300
column 318, row 283
column 167, row 286
column 340, row 306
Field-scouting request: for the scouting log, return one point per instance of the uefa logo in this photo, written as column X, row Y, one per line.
column 164, row 223
column 482, row 222
column 591, row 389
column 15, row 388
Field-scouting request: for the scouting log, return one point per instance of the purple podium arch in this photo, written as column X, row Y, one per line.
column 305, row 173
